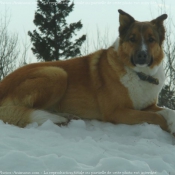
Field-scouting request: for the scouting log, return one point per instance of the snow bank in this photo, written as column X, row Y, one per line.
column 86, row 147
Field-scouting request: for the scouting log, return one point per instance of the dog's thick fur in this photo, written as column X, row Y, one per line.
column 103, row 85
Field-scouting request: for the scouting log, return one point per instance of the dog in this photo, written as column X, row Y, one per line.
column 120, row 84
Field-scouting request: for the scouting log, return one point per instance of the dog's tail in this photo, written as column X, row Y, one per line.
column 22, row 116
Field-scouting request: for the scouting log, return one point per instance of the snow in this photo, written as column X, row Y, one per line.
column 86, row 147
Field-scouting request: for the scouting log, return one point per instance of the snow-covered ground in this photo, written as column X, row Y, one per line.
column 86, row 147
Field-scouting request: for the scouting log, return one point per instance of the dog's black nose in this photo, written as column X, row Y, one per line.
column 142, row 57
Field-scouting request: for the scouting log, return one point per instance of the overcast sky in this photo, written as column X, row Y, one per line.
column 92, row 13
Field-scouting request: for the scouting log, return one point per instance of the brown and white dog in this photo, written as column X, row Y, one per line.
column 119, row 85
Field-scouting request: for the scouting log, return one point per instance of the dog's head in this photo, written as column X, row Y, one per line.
column 140, row 44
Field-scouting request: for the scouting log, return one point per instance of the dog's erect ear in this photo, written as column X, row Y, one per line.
column 158, row 23
column 160, row 19
column 125, row 21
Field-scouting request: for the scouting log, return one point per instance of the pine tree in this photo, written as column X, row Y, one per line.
column 55, row 39
column 167, row 98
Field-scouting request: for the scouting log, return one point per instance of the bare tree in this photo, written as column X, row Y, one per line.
column 167, row 95
column 101, row 41
column 8, row 48
column 24, row 56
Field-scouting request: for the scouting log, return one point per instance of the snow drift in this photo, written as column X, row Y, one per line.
column 86, row 147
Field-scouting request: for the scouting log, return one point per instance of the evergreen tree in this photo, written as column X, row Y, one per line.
column 167, row 98
column 55, row 39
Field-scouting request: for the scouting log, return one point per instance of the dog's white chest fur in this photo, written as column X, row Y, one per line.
column 142, row 93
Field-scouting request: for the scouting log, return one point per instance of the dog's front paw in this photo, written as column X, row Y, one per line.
column 169, row 116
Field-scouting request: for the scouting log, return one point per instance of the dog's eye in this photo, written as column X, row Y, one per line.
column 150, row 40
column 132, row 40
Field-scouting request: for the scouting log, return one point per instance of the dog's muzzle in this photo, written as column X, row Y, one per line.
column 141, row 59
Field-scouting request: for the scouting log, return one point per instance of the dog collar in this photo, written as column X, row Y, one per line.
column 147, row 78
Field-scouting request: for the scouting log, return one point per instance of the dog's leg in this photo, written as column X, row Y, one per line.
column 131, row 117
column 15, row 115
column 22, row 116
column 42, row 89
column 32, row 97
column 168, row 114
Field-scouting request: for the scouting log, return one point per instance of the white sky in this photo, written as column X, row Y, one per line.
column 92, row 13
